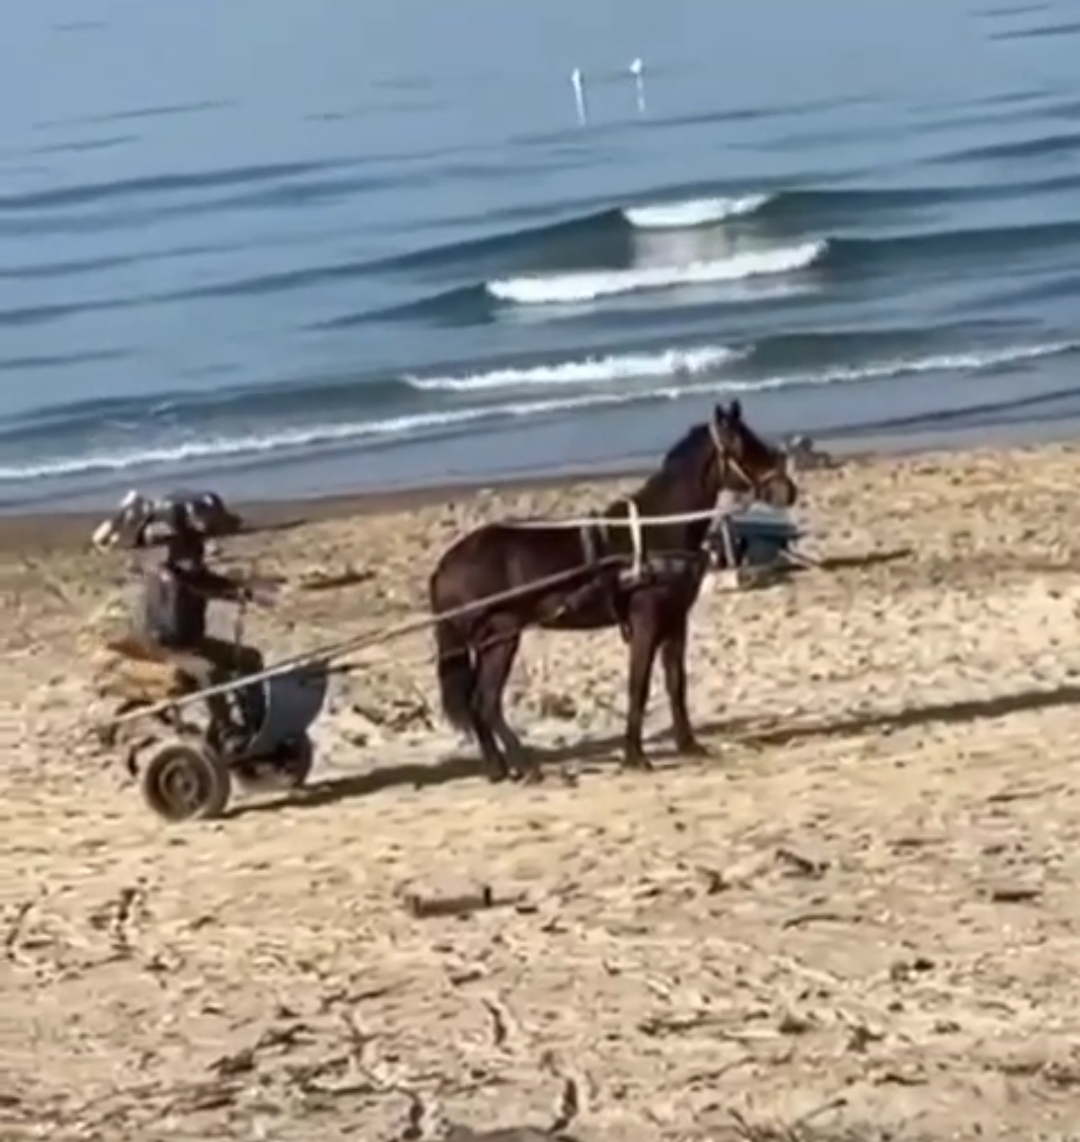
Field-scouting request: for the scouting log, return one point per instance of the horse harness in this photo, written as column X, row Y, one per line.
column 595, row 535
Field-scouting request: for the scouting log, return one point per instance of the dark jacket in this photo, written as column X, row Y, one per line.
column 176, row 595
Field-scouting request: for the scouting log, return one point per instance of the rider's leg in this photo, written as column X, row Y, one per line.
column 251, row 661
column 231, row 659
column 194, row 666
column 203, row 673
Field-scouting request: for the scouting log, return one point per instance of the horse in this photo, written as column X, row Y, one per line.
column 586, row 586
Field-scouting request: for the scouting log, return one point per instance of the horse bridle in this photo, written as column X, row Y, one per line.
column 728, row 463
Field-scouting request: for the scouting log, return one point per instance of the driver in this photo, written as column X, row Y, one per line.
column 176, row 595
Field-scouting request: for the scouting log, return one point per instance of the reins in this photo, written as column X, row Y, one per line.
column 339, row 649
column 635, row 522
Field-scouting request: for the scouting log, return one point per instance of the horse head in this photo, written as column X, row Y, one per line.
column 745, row 463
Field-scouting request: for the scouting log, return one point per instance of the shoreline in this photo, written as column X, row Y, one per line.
column 954, row 411
column 71, row 527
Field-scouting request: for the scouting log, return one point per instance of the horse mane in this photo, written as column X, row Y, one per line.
column 686, row 452
column 677, row 459
column 685, row 448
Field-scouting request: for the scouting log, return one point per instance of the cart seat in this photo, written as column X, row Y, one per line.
column 132, row 671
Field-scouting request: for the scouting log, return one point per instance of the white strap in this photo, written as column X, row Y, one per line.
column 724, row 524
column 609, row 521
column 636, row 539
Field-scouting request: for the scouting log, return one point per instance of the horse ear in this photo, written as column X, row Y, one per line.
column 730, row 415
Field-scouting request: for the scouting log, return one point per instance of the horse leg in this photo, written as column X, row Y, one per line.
column 673, row 661
column 492, row 756
column 497, row 660
column 643, row 646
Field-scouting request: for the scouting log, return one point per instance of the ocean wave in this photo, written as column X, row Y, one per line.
column 600, row 240
column 579, row 232
column 226, row 447
column 594, row 232
column 593, row 229
column 594, row 370
column 83, row 194
column 693, row 212
column 1040, row 31
column 26, row 363
column 1056, row 287
column 960, row 362
column 1055, row 145
column 956, row 246
column 589, row 285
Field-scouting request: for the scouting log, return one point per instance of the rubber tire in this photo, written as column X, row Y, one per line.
column 291, row 772
column 198, row 764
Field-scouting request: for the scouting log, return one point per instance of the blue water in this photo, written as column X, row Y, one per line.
column 299, row 247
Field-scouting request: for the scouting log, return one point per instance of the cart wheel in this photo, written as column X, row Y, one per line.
column 289, row 769
column 184, row 782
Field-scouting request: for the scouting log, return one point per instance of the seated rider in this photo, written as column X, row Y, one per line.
column 176, row 595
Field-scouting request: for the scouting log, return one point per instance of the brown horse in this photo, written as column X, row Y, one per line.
column 644, row 579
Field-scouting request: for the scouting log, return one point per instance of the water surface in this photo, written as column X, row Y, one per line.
column 310, row 247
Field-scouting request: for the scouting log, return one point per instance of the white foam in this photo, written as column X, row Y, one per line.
column 224, row 447
column 405, row 426
column 686, row 362
column 693, row 212
column 899, row 367
column 586, row 286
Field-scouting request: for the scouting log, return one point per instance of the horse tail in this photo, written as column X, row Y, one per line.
column 454, row 662
column 457, row 674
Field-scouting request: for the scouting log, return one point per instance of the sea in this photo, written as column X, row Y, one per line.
column 319, row 246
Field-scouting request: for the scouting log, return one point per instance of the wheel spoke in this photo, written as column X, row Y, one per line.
column 183, row 781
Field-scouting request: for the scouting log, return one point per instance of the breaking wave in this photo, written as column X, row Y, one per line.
column 691, row 367
column 588, row 285
column 596, row 370
column 693, row 212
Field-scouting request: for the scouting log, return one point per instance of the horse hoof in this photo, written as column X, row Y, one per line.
column 692, row 748
column 526, row 774
column 638, row 762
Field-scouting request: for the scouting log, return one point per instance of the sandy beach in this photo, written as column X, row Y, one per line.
column 855, row 920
